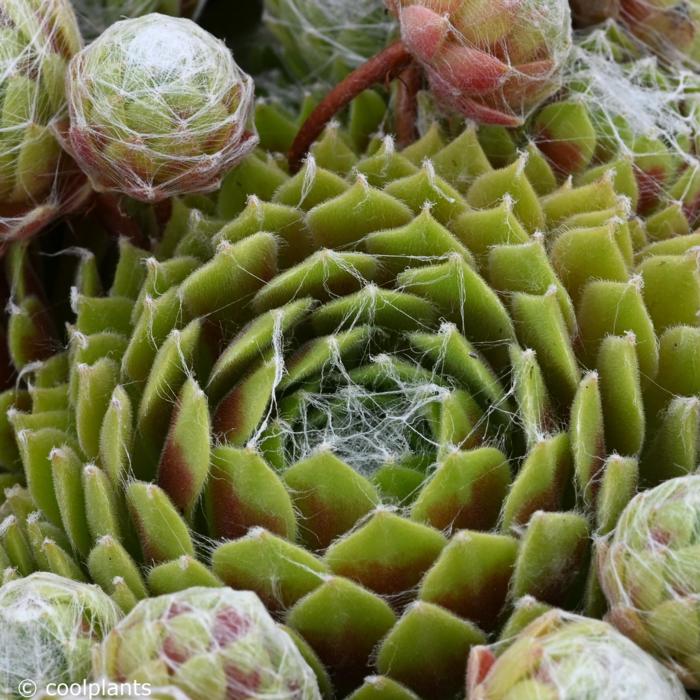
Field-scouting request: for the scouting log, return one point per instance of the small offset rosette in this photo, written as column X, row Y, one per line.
column 158, row 107
column 49, row 626
column 212, row 643
column 561, row 656
column 37, row 40
column 491, row 60
column 650, row 572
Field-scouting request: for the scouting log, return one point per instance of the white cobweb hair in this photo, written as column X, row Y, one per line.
column 322, row 38
column 35, row 182
column 48, row 628
column 185, row 117
column 634, row 89
column 230, row 631
column 575, row 657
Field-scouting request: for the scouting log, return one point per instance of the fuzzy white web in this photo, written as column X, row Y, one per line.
column 569, row 657
column 48, row 628
column 653, row 549
column 35, row 47
column 158, row 107
column 208, row 639
column 323, row 39
column 632, row 90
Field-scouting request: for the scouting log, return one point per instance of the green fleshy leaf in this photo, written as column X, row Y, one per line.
column 178, row 575
column 541, row 326
column 387, row 554
column 108, row 560
column 541, row 484
column 66, row 468
column 466, row 491
column 464, row 299
column 553, row 559
column 102, row 506
column 527, row 268
column 672, row 289
column 237, row 271
column 163, row 534
column 323, row 276
column 330, row 497
column 614, row 308
column 184, row 462
column 472, row 575
column 427, row 649
column 426, row 188
column 621, row 395
column 618, row 485
column 344, row 220
column 535, row 409
column 116, row 437
column 587, row 435
column 36, row 447
column 96, row 383
column 422, row 241
column 343, row 642
column 674, row 449
column 244, row 492
column 280, row 572
column 490, row 188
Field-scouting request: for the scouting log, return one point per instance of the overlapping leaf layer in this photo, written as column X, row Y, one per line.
column 392, row 394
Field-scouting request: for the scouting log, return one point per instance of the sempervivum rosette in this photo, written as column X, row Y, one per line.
column 493, row 62
column 212, row 643
column 649, row 572
column 561, row 656
column 391, row 394
column 37, row 39
column 49, row 627
column 158, row 107
column 490, row 61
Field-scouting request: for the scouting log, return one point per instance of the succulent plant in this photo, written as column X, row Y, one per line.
column 94, row 16
column 649, row 570
column 49, row 627
column 493, row 62
column 326, row 39
column 561, row 656
column 212, row 643
column 490, row 61
column 624, row 110
column 37, row 182
column 391, row 394
column 158, row 107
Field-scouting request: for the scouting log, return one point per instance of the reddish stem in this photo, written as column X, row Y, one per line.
column 407, row 105
column 386, row 65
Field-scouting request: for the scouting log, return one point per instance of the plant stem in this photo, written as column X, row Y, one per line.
column 407, row 105
column 386, row 65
